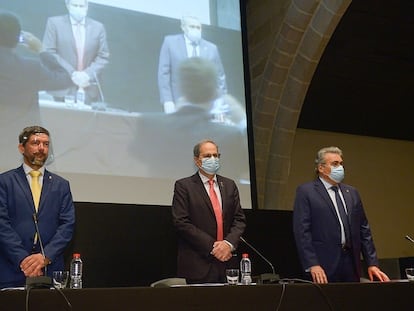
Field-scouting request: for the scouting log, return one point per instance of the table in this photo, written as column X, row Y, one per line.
column 340, row 296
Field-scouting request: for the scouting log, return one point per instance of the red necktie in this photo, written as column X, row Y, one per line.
column 217, row 210
column 79, row 46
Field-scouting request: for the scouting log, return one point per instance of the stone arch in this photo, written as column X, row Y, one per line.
column 291, row 61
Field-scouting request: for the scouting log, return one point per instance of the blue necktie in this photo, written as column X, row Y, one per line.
column 344, row 217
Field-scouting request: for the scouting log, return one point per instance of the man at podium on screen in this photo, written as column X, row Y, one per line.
column 177, row 48
column 208, row 219
column 80, row 45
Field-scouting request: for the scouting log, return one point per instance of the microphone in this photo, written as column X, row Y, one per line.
column 264, row 277
column 100, row 106
column 409, row 238
column 42, row 281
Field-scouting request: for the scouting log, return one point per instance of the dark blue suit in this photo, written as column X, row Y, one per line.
column 317, row 230
column 56, row 218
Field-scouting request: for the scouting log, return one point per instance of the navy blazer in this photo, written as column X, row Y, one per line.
column 196, row 226
column 317, row 230
column 56, row 218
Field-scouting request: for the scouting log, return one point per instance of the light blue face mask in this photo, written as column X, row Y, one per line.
column 210, row 165
column 337, row 173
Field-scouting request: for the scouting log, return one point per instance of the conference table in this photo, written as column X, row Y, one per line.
column 396, row 295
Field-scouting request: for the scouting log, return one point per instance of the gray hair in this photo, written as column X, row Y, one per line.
column 320, row 157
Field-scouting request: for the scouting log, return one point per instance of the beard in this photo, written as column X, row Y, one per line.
column 38, row 160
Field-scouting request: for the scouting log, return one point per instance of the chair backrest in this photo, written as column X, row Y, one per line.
column 169, row 282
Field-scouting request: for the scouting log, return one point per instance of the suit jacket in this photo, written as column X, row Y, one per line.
column 317, row 230
column 194, row 220
column 162, row 140
column 21, row 78
column 173, row 52
column 56, row 218
column 59, row 40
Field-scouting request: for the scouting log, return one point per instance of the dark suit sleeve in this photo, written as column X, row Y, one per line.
column 302, row 224
column 187, row 221
column 234, row 217
column 367, row 243
column 52, row 76
column 56, row 246
column 10, row 241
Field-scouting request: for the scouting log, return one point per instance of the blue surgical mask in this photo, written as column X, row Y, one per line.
column 78, row 14
column 337, row 173
column 210, row 165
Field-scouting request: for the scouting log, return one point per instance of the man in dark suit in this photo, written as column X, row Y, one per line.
column 177, row 48
column 20, row 250
column 330, row 225
column 21, row 78
column 206, row 239
column 80, row 45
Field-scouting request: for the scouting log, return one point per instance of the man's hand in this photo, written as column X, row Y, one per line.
column 32, row 265
column 221, row 250
column 374, row 271
column 169, row 107
column 318, row 275
column 32, row 42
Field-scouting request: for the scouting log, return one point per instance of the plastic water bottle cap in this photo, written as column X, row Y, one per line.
column 76, row 255
column 245, row 256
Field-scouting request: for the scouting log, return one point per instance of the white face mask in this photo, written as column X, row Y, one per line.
column 194, row 35
column 78, row 14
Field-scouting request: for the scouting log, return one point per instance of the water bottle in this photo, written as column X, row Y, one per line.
column 80, row 96
column 246, row 270
column 76, row 272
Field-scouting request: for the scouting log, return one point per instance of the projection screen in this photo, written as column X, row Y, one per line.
column 124, row 148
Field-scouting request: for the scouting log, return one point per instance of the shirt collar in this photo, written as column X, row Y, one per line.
column 75, row 22
column 205, row 179
column 27, row 169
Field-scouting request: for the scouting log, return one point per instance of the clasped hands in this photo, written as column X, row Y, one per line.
column 81, row 79
column 32, row 265
column 221, row 250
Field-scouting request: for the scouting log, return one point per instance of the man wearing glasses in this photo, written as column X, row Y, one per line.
column 208, row 218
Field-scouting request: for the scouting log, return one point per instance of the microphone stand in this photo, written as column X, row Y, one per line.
column 264, row 277
column 100, row 106
column 42, row 281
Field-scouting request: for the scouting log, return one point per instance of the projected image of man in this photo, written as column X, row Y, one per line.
column 80, row 44
column 175, row 49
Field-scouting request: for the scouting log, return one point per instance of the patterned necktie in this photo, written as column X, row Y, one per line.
column 344, row 217
column 217, row 210
column 35, row 187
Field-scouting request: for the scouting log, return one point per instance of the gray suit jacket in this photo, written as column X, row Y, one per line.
column 173, row 52
column 58, row 39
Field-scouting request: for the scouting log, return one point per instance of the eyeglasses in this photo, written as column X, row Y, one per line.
column 209, row 155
